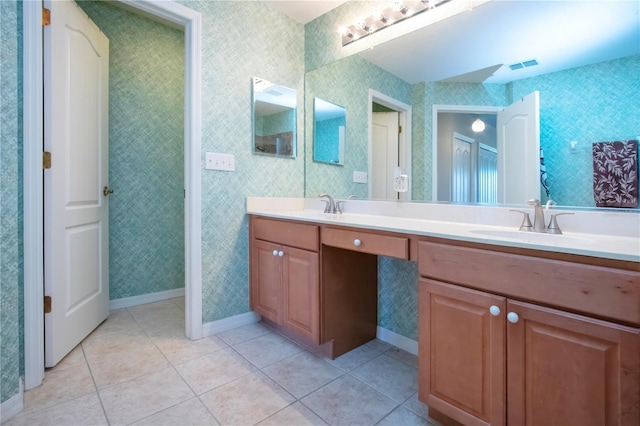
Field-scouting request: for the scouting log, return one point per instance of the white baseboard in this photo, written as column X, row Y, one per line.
column 214, row 327
column 143, row 299
column 397, row 340
column 13, row 405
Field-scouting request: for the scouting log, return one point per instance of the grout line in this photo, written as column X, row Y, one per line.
column 95, row 385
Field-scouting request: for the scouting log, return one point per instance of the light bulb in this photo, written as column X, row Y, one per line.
column 478, row 125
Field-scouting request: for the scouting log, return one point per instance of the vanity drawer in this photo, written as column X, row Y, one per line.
column 367, row 242
column 596, row 290
column 292, row 234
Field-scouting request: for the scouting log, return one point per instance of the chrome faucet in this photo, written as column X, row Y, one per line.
column 339, row 204
column 330, row 205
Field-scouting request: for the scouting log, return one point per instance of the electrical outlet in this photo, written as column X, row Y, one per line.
column 359, row 177
column 401, row 183
column 224, row 162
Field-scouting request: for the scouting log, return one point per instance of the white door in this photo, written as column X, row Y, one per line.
column 462, row 170
column 76, row 245
column 384, row 155
column 519, row 151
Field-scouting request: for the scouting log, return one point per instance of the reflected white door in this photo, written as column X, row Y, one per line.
column 76, row 242
column 519, row 151
column 462, row 170
column 385, row 155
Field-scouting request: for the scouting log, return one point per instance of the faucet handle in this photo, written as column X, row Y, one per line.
column 553, row 227
column 533, row 202
column 526, row 222
column 339, row 205
column 327, row 209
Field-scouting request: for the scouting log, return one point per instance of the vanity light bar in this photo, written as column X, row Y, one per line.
column 397, row 12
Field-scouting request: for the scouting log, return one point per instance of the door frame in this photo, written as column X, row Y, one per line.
column 464, row 109
column 404, row 138
column 33, row 188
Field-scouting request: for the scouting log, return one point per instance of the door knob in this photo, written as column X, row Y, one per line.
column 280, row 253
column 494, row 310
column 275, row 252
column 357, row 242
column 512, row 317
column 106, row 191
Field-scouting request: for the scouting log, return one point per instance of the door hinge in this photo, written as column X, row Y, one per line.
column 46, row 160
column 399, row 129
column 47, row 304
column 46, row 17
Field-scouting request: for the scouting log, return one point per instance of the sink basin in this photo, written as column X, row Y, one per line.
column 532, row 237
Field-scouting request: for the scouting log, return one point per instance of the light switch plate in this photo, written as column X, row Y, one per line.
column 216, row 161
column 359, row 177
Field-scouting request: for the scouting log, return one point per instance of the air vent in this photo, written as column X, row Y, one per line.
column 524, row 64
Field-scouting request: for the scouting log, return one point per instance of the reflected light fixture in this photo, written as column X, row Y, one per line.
column 477, row 125
column 397, row 11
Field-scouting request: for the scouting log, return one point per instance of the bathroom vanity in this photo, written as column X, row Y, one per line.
column 509, row 333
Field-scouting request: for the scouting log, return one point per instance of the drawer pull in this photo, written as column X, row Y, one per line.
column 280, row 253
column 512, row 317
column 275, row 252
column 494, row 310
column 357, row 242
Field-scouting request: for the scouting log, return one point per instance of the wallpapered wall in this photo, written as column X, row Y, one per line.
column 11, row 278
column 146, row 145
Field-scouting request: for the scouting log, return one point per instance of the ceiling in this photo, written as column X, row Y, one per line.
column 479, row 45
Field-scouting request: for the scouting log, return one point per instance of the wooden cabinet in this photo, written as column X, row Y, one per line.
column 489, row 359
column 285, row 279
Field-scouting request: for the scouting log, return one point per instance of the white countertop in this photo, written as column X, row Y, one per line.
column 618, row 240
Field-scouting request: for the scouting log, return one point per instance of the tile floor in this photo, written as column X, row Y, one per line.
column 138, row 368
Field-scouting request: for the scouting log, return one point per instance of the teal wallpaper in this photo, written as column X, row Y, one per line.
column 241, row 40
column 11, row 280
column 326, row 137
column 346, row 83
column 588, row 104
column 146, row 145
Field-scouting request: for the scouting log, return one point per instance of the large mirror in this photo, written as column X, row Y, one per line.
column 587, row 55
column 329, row 132
column 274, row 119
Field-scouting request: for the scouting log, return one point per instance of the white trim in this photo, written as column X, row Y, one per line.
column 215, row 327
column 33, row 244
column 404, row 140
column 143, row 299
column 13, row 405
column 398, row 340
column 434, row 135
column 33, row 186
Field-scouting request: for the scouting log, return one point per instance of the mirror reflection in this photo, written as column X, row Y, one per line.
column 588, row 88
column 274, row 119
column 329, row 132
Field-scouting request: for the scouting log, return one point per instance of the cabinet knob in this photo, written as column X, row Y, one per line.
column 357, row 242
column 275, row 252
column 512, row 317
column 280, row 253
column 494, row 310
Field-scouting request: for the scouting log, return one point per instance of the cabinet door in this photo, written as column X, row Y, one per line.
column 300, row 277
column 565, row 369
column 266, row 281
column 462, row 353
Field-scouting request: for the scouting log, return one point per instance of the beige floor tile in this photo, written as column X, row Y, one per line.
column 208, row 372
column 295, row 414
column 120, row 341
column 404, row 417
column 188, row 413
column 157, row 315
column 267, row 349
column 404, row 356
column 355, row 358
column 302, row 373
column 85, row 410
column 242, row 334
column 179, row 302
column 60, row 385
column 139, row 398
column 378, row 345
column 349, row 401
column 109, row 370
column 247, row 400
column 73, row 359
column 389, row 376
column 413, row 404
column 179, row 349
